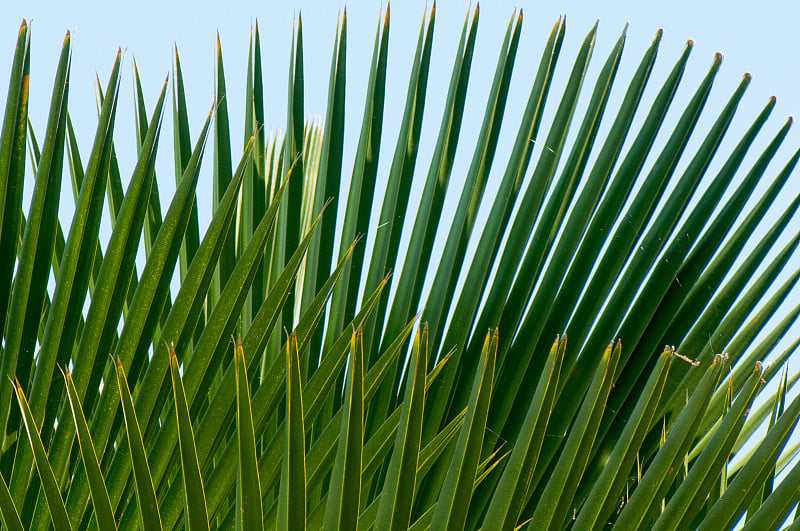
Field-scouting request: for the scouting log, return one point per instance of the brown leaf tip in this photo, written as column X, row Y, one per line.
column 693, row 363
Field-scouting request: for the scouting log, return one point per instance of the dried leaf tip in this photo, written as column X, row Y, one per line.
column 689, row 43
column 790, row 120
column 748, row 76
column 693, row 363
column 717, row 58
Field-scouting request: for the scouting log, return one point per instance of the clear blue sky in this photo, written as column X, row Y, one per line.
column 756, row 37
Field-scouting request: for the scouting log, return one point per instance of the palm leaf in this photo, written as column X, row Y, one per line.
column 617, row 221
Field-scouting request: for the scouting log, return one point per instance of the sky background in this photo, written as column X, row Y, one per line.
column 756, row 37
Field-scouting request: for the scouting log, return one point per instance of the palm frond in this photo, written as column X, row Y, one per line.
column 329, row 411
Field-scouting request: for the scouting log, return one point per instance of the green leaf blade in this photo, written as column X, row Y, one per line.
column 292, row 499
column 342, row 508
column 195, row 496
column 149, row 515
column 248, row 514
